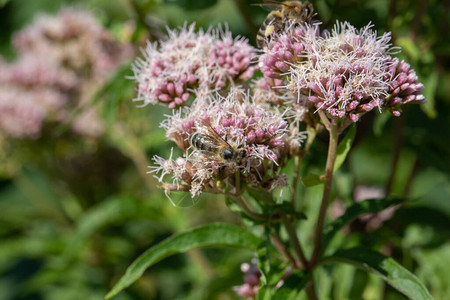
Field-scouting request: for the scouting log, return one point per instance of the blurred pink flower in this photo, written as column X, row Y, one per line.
column 19, row 114
column 62, row 61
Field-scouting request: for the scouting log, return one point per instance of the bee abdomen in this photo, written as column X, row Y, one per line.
column 199, row 141
column 270, row 25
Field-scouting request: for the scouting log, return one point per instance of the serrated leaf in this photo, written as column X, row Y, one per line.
column 387, row 268
column 206, row 236
column 353, row 212
column 344, row 147
column 312, row 180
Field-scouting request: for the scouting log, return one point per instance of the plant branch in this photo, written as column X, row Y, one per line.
column 282, row 248
column 329, row 168
column 326, row 122
column 345, row 125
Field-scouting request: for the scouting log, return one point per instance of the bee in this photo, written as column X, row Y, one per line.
column 276, row 20
column 215, row 146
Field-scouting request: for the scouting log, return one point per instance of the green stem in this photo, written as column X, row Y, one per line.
column 329, row 168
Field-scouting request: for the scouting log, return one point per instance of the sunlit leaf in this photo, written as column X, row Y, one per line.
column 218, row 235
column 387, row 268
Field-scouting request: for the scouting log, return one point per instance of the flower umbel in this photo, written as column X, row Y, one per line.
column 239, row 125
column 346, row 73
column 190, row 61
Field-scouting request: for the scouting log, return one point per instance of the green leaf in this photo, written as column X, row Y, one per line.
column 260, row 195
column 353, row 212
column 219, row 235
column 312, row 180
column 288, row 209
column 387, row 268
column 344, row 147
column 293, row 285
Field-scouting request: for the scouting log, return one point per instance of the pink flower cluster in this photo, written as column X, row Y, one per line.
column 189, row 62
column 240, row 124
column 346, row 73
column 62, row 60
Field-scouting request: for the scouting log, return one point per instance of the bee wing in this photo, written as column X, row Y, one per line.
column 268, row 4
column 215, row 137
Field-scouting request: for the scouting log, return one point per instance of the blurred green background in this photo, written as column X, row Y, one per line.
column 75, row 212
